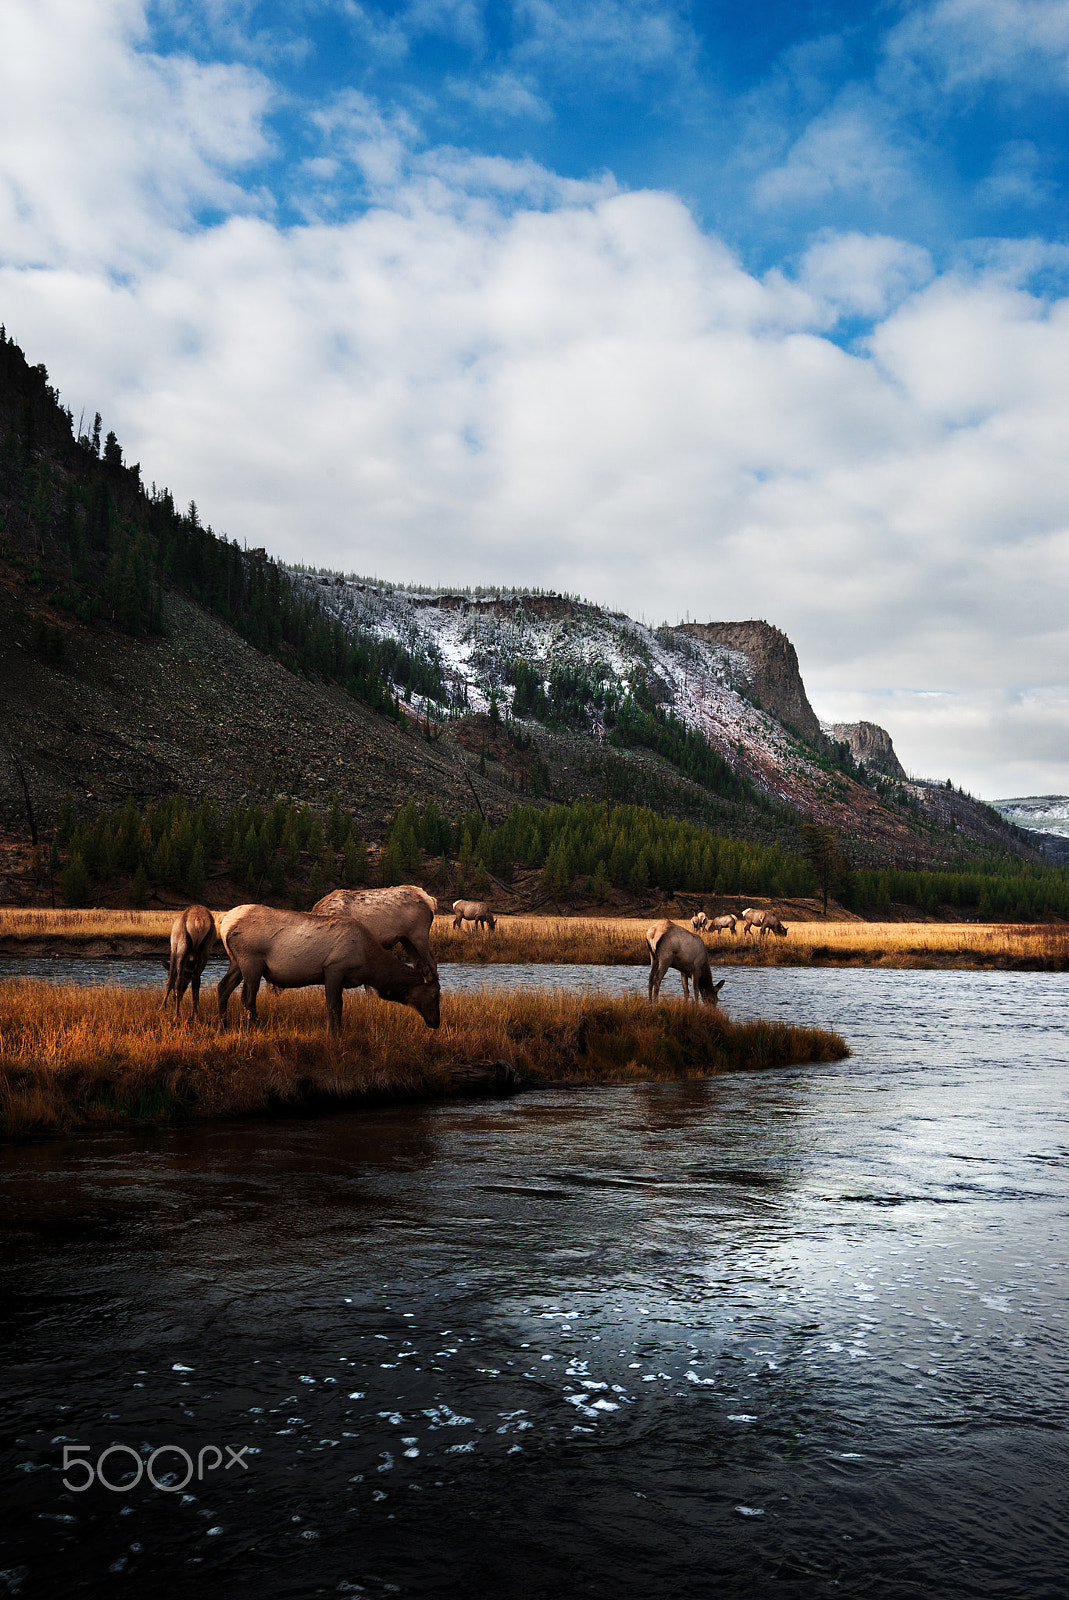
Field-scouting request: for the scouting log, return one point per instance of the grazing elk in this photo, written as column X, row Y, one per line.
column 192, row 936
column 764, row 922
column 401, row 915
column 670, row 945
column 295, row 949
column 725, row 924
column 699, row 921
column 475, row 911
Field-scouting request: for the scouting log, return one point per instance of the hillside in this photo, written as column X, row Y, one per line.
column 141, row 653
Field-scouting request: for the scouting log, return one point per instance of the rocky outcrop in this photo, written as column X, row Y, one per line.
column 776, row 680
column 870, row 745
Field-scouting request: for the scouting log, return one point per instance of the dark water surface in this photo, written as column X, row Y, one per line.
column 797, row 1333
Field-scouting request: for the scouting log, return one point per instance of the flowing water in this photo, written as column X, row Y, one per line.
column 801, row 1332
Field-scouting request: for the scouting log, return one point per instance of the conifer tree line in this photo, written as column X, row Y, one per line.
column 287, row 851
column 282, row 849
column 597, row 847
column 103, row 547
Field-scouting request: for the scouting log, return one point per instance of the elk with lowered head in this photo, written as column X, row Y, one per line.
column 296, row 949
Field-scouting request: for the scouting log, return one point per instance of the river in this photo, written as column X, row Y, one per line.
column 801, row 1332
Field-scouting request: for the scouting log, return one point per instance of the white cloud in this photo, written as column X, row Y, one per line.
column 618, row 39
column 108, row 148
column 964, row 43
column 1015, row 178
column 842, row 152
column 864, row 274
column 497, row 374
column 500, row 94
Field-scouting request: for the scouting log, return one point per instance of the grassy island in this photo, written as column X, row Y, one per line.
column 106, row 1057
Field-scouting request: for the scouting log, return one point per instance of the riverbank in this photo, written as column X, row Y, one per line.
column 75, row 1058
column 602, row 941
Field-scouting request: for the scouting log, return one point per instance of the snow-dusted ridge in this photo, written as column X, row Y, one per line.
column 475, row 635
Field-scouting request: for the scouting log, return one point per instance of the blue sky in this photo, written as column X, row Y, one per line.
column 945, row 124
column 693, row 310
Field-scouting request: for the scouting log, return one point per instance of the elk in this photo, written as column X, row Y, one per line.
column 725, row 924
column 476, row 911
column 296, row 949
column 192, row 936
column 670, row 945
column 699, row 921
column 764, row 922
column 401, row 915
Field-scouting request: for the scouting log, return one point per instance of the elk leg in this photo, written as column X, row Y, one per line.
column 421, row 960
column 227, row 984
column 335, row 993
column 179, row 990
column 249, row 990
column 172, row 974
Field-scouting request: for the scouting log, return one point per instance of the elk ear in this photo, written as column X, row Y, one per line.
column 718, row 986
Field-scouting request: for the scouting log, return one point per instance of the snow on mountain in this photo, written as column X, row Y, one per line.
column 1046, row 813
column 476, row 637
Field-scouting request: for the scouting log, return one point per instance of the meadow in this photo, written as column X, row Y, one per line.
column 621, row 941
column 107, row 1057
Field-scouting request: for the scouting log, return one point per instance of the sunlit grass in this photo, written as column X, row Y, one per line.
column 613, row 941
column 77, row 1057
column 622, row 941
column 31, row 923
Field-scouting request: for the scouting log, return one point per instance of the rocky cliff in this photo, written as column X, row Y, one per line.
column 870, row 745
column 776, row 680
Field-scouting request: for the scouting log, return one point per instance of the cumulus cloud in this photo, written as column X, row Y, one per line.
column 107, row 147
column 495, row 374
column 863, row 274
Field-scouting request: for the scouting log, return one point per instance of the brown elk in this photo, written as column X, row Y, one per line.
column 763, row 921
column 699, row 921
column 475, row 911
column 400, row 915
column 192, row 936
column 670, row 945
column 725, row 924
column 295, row 949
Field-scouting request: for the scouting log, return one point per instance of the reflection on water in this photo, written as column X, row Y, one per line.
column 801, row 1331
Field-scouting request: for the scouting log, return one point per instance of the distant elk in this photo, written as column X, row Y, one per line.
column 699, row 921
column 192, row 936
column 474, row 911
column 400, row 915
column 764, row 922
column 670, row 945
column 297, row 949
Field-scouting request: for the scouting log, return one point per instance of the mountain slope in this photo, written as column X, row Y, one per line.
column 140, row 652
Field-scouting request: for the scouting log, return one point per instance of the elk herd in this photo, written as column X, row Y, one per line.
column 346, row 940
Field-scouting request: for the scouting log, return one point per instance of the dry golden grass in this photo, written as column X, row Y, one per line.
column 33, row 923
column 76, row 1057
column 602, row 941
column 611, row 941
column 622, row 941
column 907, row 944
